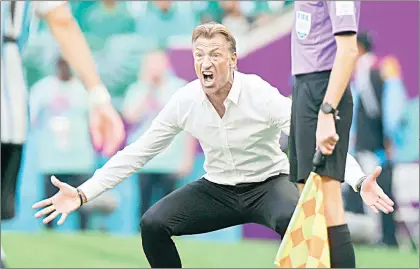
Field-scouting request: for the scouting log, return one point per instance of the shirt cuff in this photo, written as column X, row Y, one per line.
column 92, row 188
column 353, row 173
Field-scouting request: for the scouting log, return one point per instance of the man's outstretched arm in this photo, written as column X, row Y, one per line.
column 123, row 164
column 135, row 156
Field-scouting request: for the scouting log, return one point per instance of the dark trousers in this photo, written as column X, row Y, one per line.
column 202, row 206
column 151, row 182
column 389, row 226
column 73, row 180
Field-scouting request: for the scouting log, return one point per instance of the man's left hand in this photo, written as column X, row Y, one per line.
column 373, row 195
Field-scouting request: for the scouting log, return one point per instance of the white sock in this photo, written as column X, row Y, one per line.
column 3, row 255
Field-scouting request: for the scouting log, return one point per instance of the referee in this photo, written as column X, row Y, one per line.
column 106, row 126
column 324, row 52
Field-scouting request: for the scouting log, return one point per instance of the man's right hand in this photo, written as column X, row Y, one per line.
column 326, row 135
column 64, row 202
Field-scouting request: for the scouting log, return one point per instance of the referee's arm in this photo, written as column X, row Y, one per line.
column 280, row 113
column 345, row 26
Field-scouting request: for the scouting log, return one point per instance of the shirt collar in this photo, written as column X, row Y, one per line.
column 236, row 88
column 234, row 92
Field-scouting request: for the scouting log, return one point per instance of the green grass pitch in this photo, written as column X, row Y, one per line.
column 97, row 250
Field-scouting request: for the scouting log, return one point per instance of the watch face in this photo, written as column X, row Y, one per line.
column 326, row 108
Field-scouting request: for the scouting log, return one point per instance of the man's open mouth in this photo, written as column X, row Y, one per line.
column 208, row 76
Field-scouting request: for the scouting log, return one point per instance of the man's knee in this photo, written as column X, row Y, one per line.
column 333, row 202
column 154, row 223
column 282, row 219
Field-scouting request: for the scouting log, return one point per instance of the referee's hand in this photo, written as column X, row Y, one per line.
column 373, row 195
column 326, row 135
column 64, row 202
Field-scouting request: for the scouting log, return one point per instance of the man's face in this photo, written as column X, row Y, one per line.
column 230, row 6
column 155, row 66
column 213, row 62
column 110, row 3
column 63, row 70
column 361, row 49
column 163, row 5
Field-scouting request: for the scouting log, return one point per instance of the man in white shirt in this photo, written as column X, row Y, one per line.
column 106, row 126
column 237, row 119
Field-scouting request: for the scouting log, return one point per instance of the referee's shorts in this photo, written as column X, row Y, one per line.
column 14, row 120
column 308, row 94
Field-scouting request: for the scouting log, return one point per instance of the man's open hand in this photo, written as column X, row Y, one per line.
column 64, row 202
column 373, row 195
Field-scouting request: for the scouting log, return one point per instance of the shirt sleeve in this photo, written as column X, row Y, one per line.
column 280, row 109
column 134, row 156
column 42, row 8
column 344, row 15
column 353, row 172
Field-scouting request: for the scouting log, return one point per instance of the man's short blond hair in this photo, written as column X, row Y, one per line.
column 210, row 29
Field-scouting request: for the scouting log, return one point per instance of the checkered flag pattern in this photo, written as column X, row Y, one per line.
column 305, row 244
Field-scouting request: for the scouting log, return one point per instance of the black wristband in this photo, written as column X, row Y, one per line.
column 80, row 197
column 360, row 183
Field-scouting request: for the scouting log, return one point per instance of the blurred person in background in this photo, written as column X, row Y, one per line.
column 59, row 114
column 207, row 11
column 105, row 124
column 234, row 18
column 162, row 19
column 255, row 12
column 260, row 12
column 107, row 18
column 144, row 100
column 379, row 99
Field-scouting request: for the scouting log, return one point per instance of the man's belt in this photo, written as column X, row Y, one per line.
column 8, row 39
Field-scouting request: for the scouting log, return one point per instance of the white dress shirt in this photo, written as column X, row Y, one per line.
column 241, row 147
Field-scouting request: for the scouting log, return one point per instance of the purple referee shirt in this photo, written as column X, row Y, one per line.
column 316, row 23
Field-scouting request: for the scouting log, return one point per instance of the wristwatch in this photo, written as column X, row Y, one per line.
column 328, row 109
